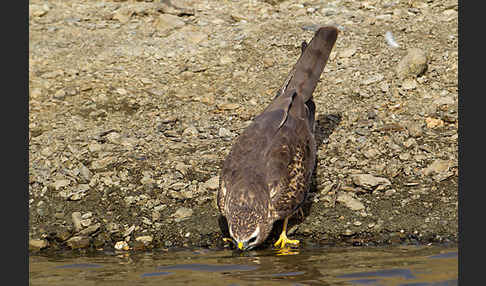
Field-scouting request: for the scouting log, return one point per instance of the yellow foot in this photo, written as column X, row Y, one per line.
column 283, row 240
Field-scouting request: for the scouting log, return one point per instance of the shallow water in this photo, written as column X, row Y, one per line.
column 402, row 265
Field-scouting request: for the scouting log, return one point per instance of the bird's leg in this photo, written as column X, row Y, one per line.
column 283, row 240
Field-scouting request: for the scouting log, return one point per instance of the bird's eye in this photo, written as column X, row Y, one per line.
column 252, row 240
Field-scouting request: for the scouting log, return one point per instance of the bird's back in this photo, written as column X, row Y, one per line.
column 277, row 151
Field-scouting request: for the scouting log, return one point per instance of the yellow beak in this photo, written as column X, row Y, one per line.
column 240, row 245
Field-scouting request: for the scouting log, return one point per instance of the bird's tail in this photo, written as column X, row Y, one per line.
column 308, row 69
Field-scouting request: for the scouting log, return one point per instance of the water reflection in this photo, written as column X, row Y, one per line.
column 208, row 267
column 405, row 273
column 79, row 265
column 444, row 255
column 320, row 266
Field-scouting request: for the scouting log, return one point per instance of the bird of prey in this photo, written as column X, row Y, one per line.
column 267, row 173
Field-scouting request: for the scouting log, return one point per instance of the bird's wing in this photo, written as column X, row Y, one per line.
column 244, row 164
column 290, row 161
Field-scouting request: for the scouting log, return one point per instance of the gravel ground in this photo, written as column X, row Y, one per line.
column 134, row 105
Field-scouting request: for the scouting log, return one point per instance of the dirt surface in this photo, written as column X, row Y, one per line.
column 134, row 105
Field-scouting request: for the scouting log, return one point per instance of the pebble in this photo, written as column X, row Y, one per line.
column 37, row 244
column 371, row 153
column 160, row 208
column 90, row 230
column 223, row 132
column 414, row 129
column 438, row 166
column 123, row 14
column 81, row 188
column 95, row 147
column 86, row 222
column 409, row 84
column 444, row 100
column 113, row 137
column 146, row 239
column 35, row 93
column 449, row 15
column 196, row 37
column 167, row 22
column 129, row 231
column 60, row 184
column 155, row 216
column 112, row 227
column 46, row 152
column 434, row 122
column 102, row 163
column 60, row 94
column 225, row 59
column 76, row 242
column 64, row 233
column 129, row 142
column 384, row 86
column 177, row 186
column 409, row 142
column 147, row 180
column 85, row 173
column 182, row 213
column 268, row 62
column 369, row 182
column 228, row 106
column 75, row 193
column 190, row 131
column 348, row 232
column 404, row 156
column 413, row 64
column 390, row 192
column 349, row 201
column 38, row 10
column 373, row 79
column 76, row 218
column 122, row 245
column 212, row 184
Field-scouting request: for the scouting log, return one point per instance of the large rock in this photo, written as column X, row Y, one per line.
column 76, row 242
column 182, row 213
column 350, row 202
column 37, row 244
column 413, row 64
column 438, row 166
column 369, row 182
column 166, row 22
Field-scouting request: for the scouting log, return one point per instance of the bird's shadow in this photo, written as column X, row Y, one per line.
column 324, row 126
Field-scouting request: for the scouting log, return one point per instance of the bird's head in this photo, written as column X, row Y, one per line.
column 248, row 228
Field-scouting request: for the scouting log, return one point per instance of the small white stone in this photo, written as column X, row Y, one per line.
column 121, row 245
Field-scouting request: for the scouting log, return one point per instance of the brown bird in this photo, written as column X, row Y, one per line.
column 267, row 173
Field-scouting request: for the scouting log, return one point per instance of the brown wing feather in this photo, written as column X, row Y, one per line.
column 243, row 165
column 290, row 163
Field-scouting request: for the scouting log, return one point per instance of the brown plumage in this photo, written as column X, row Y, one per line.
column 267, row 173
